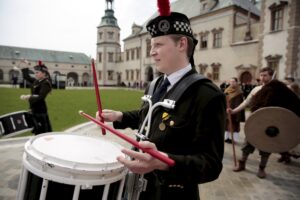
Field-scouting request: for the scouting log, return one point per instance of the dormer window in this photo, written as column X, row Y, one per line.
column 71, row 57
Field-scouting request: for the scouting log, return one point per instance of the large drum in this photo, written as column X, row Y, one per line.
column 15, row 123
column 67, row 166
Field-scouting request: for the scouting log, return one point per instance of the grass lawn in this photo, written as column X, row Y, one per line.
column 63, row 105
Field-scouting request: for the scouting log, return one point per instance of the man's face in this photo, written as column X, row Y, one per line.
column 39, row 75
column 165, row 53
column 265, row 77
column 233, row 83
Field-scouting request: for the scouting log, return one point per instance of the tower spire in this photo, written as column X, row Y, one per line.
column 109, row 4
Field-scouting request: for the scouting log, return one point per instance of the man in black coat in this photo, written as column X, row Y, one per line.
column 191, row 134
column 40, row 88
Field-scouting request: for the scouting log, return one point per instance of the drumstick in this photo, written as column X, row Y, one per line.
column 133, row 142
column 97, row 95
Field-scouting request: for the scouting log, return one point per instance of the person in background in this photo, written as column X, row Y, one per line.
column 40, row 88
column 234, row 97
column 265, row 77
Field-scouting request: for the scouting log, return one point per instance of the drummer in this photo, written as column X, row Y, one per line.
column 40, row 88
column 192, row 134
column 265, row 77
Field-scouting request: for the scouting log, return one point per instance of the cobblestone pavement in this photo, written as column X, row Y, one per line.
column 282, row 181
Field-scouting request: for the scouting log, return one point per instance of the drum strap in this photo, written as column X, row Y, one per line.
column 181, row 87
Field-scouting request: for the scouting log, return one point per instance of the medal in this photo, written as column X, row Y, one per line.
column 162, row 126
column 165, row 116
column 172, row 123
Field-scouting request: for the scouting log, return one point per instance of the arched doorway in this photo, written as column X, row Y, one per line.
column 85, row 79
column 1, row 75
column 149, row 74
column 246, row 77
column 72, row 79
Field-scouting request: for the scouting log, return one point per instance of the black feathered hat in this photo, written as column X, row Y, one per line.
column 168, row 23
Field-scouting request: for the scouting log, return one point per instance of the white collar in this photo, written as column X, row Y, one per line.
column 176, row 76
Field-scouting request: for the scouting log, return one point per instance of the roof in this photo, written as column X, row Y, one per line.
column 11, row 52
column 193, row 9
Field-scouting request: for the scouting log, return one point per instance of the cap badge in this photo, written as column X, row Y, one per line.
column 164, row 26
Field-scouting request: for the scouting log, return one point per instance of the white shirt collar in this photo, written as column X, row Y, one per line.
column 176, row 76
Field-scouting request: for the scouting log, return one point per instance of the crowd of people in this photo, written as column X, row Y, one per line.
column 270, row 92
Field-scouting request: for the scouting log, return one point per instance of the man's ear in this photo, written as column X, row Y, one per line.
column 183, row 43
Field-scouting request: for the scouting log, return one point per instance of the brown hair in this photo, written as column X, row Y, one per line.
column 190, row 48
column 267, row 69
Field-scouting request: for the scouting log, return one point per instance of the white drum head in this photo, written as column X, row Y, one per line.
column 73, row 156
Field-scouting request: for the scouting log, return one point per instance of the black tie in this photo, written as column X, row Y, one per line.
column 160, row 91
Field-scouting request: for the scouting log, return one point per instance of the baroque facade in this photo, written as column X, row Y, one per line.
column 235, row 40
column 74, row 68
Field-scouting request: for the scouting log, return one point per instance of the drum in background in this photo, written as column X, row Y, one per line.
column 15, row 123
column 66, row 166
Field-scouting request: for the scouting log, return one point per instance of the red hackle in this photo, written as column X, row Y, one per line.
column 40, row 62
column 164, row 7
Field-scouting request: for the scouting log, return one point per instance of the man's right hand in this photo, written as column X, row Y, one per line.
column 110, row 115
column 229, row 111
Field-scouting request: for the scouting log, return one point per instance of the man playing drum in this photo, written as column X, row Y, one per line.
column 191, row 134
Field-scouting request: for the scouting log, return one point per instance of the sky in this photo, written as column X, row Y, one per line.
column 65, row 25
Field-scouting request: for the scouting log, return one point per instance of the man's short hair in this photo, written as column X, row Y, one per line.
column 190, row 43
column 267, row 69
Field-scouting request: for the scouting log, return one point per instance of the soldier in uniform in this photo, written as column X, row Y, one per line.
column 40, row 88
column 192, row 134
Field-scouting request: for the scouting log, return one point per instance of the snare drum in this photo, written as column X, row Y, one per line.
column 15, row 123
column 67, row 166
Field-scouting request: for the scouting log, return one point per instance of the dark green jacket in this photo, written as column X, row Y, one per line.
column 193, row 137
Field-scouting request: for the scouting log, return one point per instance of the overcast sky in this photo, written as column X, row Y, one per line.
column 65, row 25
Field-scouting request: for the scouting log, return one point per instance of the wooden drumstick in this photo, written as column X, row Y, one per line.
column 130, row 140
column 97, row 95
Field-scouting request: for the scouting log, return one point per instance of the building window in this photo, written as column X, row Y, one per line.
column 13, row 62
column 127, row 54
column 127, row 75
column 137, row 74
column 100, row 35
column 202, row 68
column 110, row 35
column 273, row 62
column 203, row 40
column 138, row 53
column 217, row 39
column 110, row 75
column 216, row 71
column 132, row 54
column 100, row 75
column 277, row 19
column 148, row 47
column 110, row 57
column 72, row 66
column 100, row 57
column 132, row 74
column 1, row 74
column 276, row 10
column 56, row 65
column 85, row 67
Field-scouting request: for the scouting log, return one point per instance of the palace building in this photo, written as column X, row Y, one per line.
column 236, row 39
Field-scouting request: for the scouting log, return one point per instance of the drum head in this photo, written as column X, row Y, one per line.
column 273, row 129
column 70, row 150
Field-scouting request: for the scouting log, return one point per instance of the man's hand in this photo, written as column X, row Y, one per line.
column 110, row 115
column 143, row 162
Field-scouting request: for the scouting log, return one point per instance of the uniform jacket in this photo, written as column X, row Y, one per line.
column 39, row 92
column 193, row 137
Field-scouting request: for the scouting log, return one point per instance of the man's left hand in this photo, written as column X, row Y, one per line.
column 142, row 162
